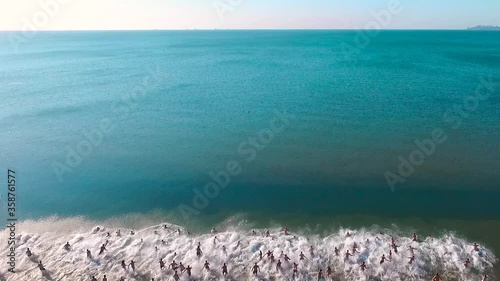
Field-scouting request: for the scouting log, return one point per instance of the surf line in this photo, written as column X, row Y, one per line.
column 248, row 150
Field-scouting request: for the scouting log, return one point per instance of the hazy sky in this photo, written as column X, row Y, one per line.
column 243, row 14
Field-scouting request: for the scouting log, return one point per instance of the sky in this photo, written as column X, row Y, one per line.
column 243, row 14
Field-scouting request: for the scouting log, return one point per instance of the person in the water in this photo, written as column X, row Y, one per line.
column 199, row 252
column 320, row 274
column 329, row 271
column 436, row 277
column 336, row 251
column 188, row 270
column 124, row 266
column 206, row 265
column 28, row 252
column 362, row 266
column 278, row 265
column 67, row 247
column 176, row 276
column 255, row 269
column 89, row 254
column 162, row 264
column 173, row 265
column 302, row 256
column 181, row 267
column 40, row 266
column 347, row 255
column 414, row 237
column 412, row 259
column 132, row 264
column 383, row 259
column 93, row 278
column 467, row 262
column 103, row 248
column 485, row 278
column 224, row 269
column 286, row 258
column 104, row 278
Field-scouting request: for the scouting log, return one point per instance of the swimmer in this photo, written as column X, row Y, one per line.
column 104, row 278
column 213, row 230
column 348, row 234
column 260, row 254
column 181, row 267
column 162, row 264
column 103, row 248
column 329, row 271
column 412, row 259
column 347, row 255
column 320, row 274
column 206, row 265
column 436, row 277
column 132, row 264
column 89, row 254
column 179, row 231
column 253, row 232
column 67, row 247
column 269, row 253
column 311, row 251
column 215, row 239
column 286, row 258
column 118, row 233
column 278, row 265
column 383, row 259
column 188, row 270
column 199, row 252
column 124, row 266
column 93, row 278
column 485, row 278
column 255, row 269
column 28, row 252
column 467, row 262
column 286, row 230
column 173, row 265
column 414, row 237
column 176, row 276
column 302, row 256
column 475, row 247
column 362, row 266
column 224, row 269
column 40, row 266
column 267, row 233
column 412, row 249
column 336, row 251
column 271, row 257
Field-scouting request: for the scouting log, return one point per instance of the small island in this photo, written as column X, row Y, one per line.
column 484, row 27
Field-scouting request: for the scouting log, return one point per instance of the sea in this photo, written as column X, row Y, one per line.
column 151, row 142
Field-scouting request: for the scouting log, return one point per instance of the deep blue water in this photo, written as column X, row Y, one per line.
column 210, row 91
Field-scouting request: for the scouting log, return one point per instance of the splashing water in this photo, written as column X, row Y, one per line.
column 445, row 254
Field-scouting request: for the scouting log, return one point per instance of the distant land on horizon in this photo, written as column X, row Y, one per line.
column 484, row 27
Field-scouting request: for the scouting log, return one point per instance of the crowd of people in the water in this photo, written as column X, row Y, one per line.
column 175, row 270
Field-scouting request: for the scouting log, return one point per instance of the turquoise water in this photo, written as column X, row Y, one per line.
column 353, row 113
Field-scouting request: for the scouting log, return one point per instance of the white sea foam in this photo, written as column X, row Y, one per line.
column 46, row 238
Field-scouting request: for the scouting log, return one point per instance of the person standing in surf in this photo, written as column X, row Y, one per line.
column 255, row 269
